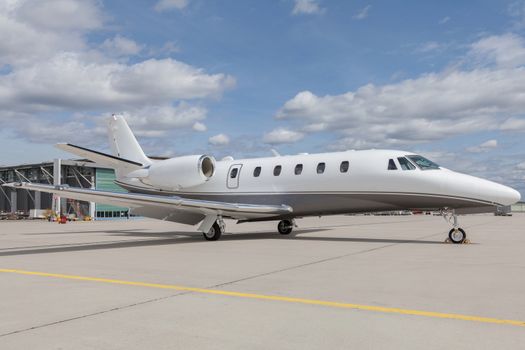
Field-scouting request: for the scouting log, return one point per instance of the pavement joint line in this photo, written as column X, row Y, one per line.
column 294, row 267
column 102, row 312
column 332, row 304
column 320, row 261
column 80, row 244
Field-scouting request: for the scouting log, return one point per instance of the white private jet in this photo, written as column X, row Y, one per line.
column 198, row 189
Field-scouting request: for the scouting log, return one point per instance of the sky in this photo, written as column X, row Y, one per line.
column 445, row 79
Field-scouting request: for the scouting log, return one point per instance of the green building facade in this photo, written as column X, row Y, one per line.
column 105, row 181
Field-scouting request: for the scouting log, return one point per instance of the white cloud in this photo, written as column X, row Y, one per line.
column 430, row 107
column 61, row 15
column 59, row 78
column 53, row 67
column 54, row 84
column 489, row 144
column 307, row 7
column 198, row 126
column 146, row 122
column 50, row 132
column 506, row 51
column 484, row 147
column 521, row 166
column 513, row 124
column 170, row 79
column 162, row 119
column 363, row 13
column 166, row 5
column 281, row 135
column 444, row 20
column 315, row 127
column 219, row 140
column 121, row 46
column 32, row 31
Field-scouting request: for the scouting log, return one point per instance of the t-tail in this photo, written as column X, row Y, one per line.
column 133, row 167
column 124, row 144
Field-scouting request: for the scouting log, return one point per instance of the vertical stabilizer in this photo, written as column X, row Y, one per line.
column 123, row 143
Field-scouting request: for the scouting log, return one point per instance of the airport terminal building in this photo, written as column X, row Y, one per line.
column 75, row 173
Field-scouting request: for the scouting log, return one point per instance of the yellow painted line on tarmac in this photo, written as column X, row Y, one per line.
column 333, row 304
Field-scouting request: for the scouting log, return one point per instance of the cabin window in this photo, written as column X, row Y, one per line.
column 423, row 163
column 233, row 173
column 320, row 168
column 277, row 170
column 392, row 165
column 405, row 164
column 298, row 169
column 257, row 171
column 344, row 166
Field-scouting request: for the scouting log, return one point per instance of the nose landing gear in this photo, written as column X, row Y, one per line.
column 456, row 235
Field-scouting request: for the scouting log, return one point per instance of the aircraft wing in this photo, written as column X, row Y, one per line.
column 172, row 208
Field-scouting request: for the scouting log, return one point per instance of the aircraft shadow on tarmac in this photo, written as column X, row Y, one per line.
column 168, row 238
column 86, row 231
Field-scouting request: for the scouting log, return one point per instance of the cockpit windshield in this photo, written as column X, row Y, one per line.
column 405, row 164
column 423, row 163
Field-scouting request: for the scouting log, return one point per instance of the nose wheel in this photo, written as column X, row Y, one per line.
column 456, row 235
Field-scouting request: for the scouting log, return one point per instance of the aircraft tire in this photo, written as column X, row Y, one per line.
column 457, row 236
column 285, row 227
column 214, row 234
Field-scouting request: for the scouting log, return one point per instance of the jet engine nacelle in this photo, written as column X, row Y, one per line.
column 181, row 172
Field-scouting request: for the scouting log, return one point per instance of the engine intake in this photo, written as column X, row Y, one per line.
column 181, row 172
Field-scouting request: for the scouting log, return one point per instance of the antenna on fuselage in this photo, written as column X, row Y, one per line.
column 275, row 153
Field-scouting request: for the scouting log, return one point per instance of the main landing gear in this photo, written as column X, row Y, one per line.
column 456, row 235
column 285, row 227
column 216, row 231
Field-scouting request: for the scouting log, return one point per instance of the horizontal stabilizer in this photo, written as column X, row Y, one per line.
column 99, row 157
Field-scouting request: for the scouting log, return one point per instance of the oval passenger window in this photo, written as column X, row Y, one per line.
column 320, row 168
column 344, row 166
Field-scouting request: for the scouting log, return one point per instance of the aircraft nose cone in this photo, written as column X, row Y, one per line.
column 485, row 190
column 506, row 195
column 514, row 196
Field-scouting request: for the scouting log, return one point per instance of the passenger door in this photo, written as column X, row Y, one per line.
column 233, row 176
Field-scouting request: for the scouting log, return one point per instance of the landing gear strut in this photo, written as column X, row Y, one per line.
column 456, row 235
column 285, row 227
column 216, row 231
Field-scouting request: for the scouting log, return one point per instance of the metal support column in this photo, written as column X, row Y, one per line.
column 14, row 200
column 92, row 205
column 57, row 181
column 38, row 200
column 4, row 193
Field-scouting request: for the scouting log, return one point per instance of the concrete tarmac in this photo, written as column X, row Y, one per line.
column 360, row 282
